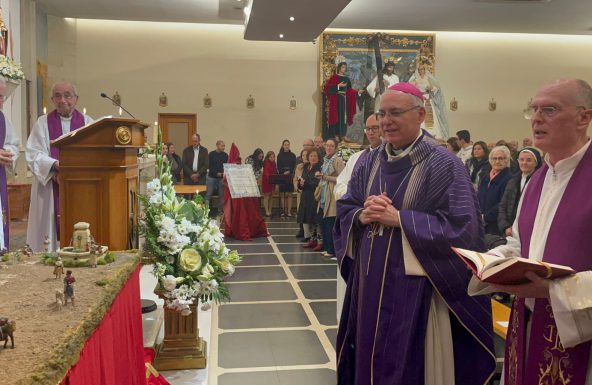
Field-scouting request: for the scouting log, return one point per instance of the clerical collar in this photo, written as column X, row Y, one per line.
column 395, row 154
column 568, row 164
column 66, row 117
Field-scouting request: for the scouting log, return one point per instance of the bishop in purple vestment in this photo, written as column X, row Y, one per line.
column 407, row 318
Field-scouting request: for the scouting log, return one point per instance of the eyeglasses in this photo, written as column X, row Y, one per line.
column 545, row 111
column 392, row 113
column 372, row 129
column 67, row 96
column 500, row 159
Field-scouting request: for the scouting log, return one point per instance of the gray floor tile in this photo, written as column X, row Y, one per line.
column 332, row 335
column 282, row 224
column 271, row 273
column 292, row 248
column 283, row 231
column 270, row 348
column 281, row 377
column 269, row 315
column 252, row 249
column 314, row 272
column 305, row 258
column 326, row 312
column 267, row 291
column 261, row 259
column 319, row 290
column 233, row 241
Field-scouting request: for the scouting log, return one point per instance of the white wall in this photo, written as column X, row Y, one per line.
column 142, row 59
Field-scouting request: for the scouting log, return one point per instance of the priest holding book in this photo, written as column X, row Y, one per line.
column 44, row 162
column 550, row 331
column 407, row 318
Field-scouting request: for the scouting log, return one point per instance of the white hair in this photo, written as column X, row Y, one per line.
column 503, row 149
column 68, row 83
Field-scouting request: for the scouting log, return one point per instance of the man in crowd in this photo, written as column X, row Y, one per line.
column 372, row 131
column 44, row 163
column 513, row 146
column 195, row 162
column 551, row 325
column 526, row 142
column 9, row 151
column 215, row 179
column 307, row 145
column 407, row 318
column 466, row 147
column 320, row 146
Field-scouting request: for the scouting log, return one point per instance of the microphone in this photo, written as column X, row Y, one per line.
column 104, row 95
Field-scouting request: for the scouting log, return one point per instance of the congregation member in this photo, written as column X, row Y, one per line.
column 307, row 212
column 195, row 162
column 215, row 178
column 492, row 187
column 513, row 146
column 372, row 131
column 478, row 165
column 307, row 145
column 529, row 160
column 320, row 146
column 297, row 176
column 466, row 147
column 550, row 331
column 452, row 145
column 267, row 188
column 256, row 161
column 286, row 165
column 527, row 142
column 9, row 150
column 407, row 318
column 44, row 162
column 330, row 170
column 175, row 162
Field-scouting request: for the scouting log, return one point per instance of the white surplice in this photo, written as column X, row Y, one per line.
column 12, row 142
column 571, row 298
column 41, row 211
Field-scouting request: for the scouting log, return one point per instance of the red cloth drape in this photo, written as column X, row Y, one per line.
column 152, row 376
column 350, row 96
column 114, row 353
column 242, row 217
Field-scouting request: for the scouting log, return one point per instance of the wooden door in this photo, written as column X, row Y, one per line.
column 178, row 129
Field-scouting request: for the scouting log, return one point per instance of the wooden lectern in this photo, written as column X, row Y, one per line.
column 99, row 179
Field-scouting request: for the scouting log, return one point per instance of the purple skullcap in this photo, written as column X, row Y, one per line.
column 407, row 88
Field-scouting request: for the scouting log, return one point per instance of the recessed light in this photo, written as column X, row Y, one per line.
column 281, row 35
column 291, row 18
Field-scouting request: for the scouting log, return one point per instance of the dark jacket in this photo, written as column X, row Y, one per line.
column 490, row 194
column 307, row 211
column 202, row 165
column 176, row 167
column 477, row 169
column 508, row 206
column 286, row 161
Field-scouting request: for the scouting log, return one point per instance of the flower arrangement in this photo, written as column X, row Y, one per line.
column 191, row 259
column 11, row 69
column 345, row 151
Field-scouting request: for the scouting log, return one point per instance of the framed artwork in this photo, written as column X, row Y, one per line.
column 364, row 53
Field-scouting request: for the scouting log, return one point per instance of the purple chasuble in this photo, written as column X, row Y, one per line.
column 382, row 331
column 3, row 186
column 54, row 125
column 546, row 361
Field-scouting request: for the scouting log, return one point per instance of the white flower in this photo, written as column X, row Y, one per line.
column 153, row 187
column 169, row 283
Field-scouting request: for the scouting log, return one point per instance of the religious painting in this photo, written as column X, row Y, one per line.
column 365, row 55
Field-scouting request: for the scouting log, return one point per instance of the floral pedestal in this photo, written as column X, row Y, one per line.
column 182, row 347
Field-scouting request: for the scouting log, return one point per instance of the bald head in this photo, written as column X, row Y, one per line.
column 578, row 89
column 308, row 144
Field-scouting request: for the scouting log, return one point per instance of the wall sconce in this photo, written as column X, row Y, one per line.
column 250, row 102
column 492, row 105
column 453, row 105
column 207, row 101
column 116, row 99
column 163, row 100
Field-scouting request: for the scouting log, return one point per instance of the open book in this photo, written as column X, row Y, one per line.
column 508, row 271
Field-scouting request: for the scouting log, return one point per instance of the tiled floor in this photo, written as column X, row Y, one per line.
column 280, row 326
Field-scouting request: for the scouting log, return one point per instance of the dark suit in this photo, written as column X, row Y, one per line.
column 202, row 165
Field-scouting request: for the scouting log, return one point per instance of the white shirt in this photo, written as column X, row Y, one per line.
column 465, row 153
column 195, row 157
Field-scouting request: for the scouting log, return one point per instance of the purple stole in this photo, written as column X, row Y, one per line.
column 3, row 186
column 547, row 361
column 54, row 125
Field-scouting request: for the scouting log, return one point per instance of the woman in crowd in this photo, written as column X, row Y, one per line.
column 175, row 162
column 298, row 174
column 478, row 165
column 307, row 212
column 286, row 165
column 452, row 145
column 256, row 161
column 269, row 169
column 529, row 160
column 332, row 166
column 492, row 187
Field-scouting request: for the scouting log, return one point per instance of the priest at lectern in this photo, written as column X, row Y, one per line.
column 44, row 163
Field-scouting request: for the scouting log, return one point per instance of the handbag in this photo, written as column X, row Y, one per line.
column 317, row 193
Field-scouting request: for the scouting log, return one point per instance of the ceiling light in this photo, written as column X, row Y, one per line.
column 291, row 18
column 281, row 35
